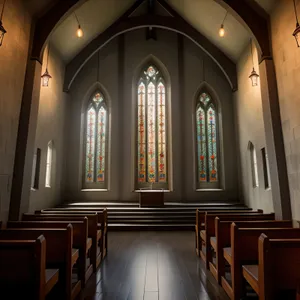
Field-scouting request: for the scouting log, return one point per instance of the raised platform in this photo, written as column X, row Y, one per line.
column 173, row 216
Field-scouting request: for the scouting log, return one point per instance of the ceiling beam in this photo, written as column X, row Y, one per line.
column 170, row 23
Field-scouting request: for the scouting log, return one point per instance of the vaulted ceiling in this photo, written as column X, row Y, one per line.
column 204, row 15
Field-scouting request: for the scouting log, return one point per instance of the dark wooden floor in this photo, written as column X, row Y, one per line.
column 151, row 266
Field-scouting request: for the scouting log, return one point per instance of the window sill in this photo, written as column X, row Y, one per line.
column 210, row 190
column 94, row 190
column 33, row 189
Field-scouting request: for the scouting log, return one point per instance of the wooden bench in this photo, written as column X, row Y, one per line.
column 102, row 220
column 23, row 273
column 93, row 232
column 243, row 251
column 222, row 240
column 209, row 231
column 59, row 253
column 276, row 276
column 200, row 221
column 80, row 240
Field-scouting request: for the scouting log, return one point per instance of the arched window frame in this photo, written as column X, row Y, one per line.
column 49, row 162
column 157, row 79
column 254, row 166
column 94, row 183
column 207, row 183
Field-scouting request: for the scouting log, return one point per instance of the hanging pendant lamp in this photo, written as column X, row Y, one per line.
column 253, row 76
column 296, row 32
column 79, row 31
column 46, row 76
column 2, row 29
column 222, row 29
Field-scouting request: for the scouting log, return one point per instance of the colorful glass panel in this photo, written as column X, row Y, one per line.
column 141, row 133
column 151, row 71
column 101, row 144
column 161, row 125
column 151, row 114
column 201, row 145
column 204, row 98
column 97, row 99
column 90, row 144
column 212, row 144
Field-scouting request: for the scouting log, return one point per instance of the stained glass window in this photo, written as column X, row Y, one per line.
column 151, row 129
column 207, row 140
column 96, row 140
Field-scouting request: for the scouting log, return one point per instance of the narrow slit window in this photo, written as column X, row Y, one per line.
column 49, row 165
column 254, row 167
column 266, row 168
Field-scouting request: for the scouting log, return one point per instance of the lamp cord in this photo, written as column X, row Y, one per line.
column 295, row 8
column 48, row 55
column 225, row 17
column 203, row 66
column 98, row 65
column 251, row 53
column 76, row 19
column 2, row 10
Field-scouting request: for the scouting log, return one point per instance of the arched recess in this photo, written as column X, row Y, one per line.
column 164, row 77
column 205, row 88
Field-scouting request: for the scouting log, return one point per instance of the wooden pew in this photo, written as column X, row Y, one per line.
column 200, row 220
column 23, row 273
column 93, row 232
column 222, row 240
column 102, row 220
column 59, row 253
column 81, row 242
column 209, row 231
column 243, row 250
column 277, row 274
column 102, row 225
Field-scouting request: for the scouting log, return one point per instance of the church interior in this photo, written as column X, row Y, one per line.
column 149, row 149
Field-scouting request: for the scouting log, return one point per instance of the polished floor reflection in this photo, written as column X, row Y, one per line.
column 152, row 266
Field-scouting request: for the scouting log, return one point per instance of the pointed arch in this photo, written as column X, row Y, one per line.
column 207, row 140
column 151, row 126
column 96, row 140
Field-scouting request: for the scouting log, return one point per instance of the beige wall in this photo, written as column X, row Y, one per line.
column 13, row 59
column 52, row 116
column 250, row 127
column 183, row 91
column 287, row 65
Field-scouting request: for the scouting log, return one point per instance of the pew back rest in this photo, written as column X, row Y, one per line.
column 80, row 227
column 23, row 267
column 59, row 241
column 279, row 264
column 210, row 219
column 223, row 227
column 249, row 236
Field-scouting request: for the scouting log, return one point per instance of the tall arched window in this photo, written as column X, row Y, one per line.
column 151, row 130
column 96, row 142
column 207, row 143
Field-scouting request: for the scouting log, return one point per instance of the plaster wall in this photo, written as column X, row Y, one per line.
column 52, row 118
column 181, row 61
column 287, row 66
column 250, row 128
column 13, row 59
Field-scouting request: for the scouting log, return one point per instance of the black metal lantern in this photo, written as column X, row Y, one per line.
column 253, row 76
column 2, row 29
column 296, row 32
column 46, row 76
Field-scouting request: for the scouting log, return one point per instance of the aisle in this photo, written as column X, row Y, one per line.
column 152, row 266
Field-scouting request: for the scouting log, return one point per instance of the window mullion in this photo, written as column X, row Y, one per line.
column 146, row 129
column 156, row 134
column 96, row 146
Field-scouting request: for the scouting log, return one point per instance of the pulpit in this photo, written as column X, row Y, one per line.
column 151, row 198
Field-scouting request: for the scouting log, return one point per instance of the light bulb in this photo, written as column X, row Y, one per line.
column 222, row 31
column 79, row 32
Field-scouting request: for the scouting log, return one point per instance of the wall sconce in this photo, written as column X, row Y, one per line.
column 253, row 76
column 2, row 30
column 46, row 76
column 296, row 32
